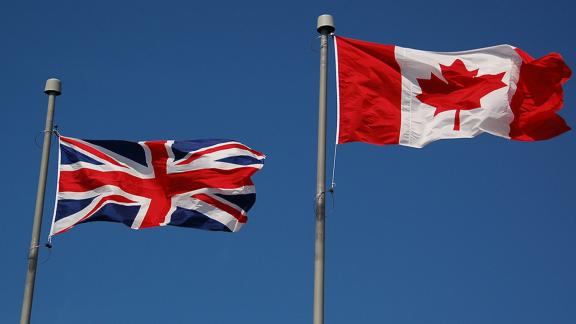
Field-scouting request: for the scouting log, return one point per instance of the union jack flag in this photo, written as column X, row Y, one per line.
column 201, row 183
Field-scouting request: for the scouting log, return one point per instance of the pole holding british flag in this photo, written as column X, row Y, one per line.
column 325, row 27
column 53, row 89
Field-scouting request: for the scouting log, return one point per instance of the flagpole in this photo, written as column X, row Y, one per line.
column 52, row 89
column 325, row 27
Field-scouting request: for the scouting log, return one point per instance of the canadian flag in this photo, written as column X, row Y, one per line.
column 393, row 95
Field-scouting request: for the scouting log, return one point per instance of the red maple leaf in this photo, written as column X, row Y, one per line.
column 462, row 89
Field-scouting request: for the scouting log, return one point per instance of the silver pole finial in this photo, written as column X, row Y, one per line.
column 325, row 22
column 53, row 86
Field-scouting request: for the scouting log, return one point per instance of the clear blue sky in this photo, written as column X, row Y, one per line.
column 464, row 231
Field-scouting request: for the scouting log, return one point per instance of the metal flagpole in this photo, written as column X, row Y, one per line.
column 52, row 89
column 325, row 27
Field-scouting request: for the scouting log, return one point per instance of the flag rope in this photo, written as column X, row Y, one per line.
column 49, row 244
column 332, row 182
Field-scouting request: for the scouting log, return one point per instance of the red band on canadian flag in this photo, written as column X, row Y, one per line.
column 394, row 95
column 538, row 97
column 369, row 88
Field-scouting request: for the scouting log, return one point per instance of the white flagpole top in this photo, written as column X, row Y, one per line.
column 53, row 86
column 325, row 22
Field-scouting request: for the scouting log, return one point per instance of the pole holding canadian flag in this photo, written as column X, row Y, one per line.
column 52, row 89
column 325, row 27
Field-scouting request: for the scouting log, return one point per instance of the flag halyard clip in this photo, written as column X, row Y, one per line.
column 313, row 47
column 333, row 181
column 55, row 131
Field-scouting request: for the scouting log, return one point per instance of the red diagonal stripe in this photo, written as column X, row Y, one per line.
column 92, row 151
column 220, row 205
column 116, row 198
column 197, row 155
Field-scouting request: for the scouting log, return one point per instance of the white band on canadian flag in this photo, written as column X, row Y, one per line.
column 420, row 125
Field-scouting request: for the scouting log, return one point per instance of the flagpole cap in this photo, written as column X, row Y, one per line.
column 325, row 23
column 53, row 86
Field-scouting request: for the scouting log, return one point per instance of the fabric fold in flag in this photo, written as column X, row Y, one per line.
column 203, row 184
column 393, row 95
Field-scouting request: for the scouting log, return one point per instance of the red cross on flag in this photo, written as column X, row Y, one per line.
column 393, row 95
